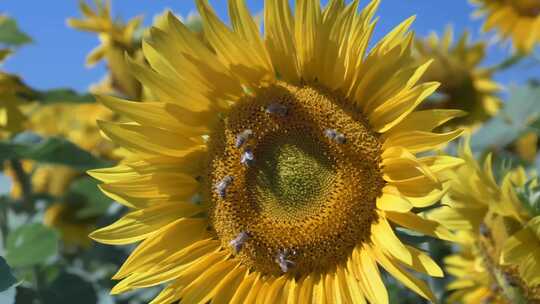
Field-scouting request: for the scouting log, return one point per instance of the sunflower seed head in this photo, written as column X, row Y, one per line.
column 277, row 109
column 221, row 187
column 243, row 137
column 239, row 241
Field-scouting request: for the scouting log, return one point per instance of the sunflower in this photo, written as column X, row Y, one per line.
column 12, row 119
column 275, row 169
column 497, row 233
column 117, row 38
column 518, row 20
column 464, row 84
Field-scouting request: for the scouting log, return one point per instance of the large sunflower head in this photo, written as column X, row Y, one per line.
column 518, row 20
column 272, row 167
column 500, row 234
column 464, row 84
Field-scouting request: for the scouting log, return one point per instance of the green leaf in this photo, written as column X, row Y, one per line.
column 517, row 116
column 31, row 244
column 6, row 277
column 529, row 196
column 10, row 33
column 69, row 288
column 52, row 150
column 62, row 95
column 96, row 203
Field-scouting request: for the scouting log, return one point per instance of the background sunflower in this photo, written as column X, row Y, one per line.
column 464, row 84
column 518, row 20
column 498, row 233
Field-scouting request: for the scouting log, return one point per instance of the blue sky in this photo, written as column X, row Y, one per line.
column 56, row 58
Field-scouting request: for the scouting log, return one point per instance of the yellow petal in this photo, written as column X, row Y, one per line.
column 392, row 112
column 151, row 114
column 402, row 165
column 228, row 286
column 307, row 24
column 426, row 120
column 292, row 292
column 421, row 262
column 193, row 265
column 357, row 296
column 253, row 293
column 319, row 290
column 403, row 276
column 370, row 278
column 169, row 240
column 246, row 28
column 306, row 285
column 395, row 37
column 393, row 202
column 241, row 293
column 149, row 140
column 233, row 51
column 517, row 247
column 414, row 222
column 148, row 188
column 384, row 237
column 169, row 294
column 194, row 61
column 428, row 199
column 120, row 172
column 279, row 39
column 420, row 141
column 276, row 292
column 203, row 288
column 140, row 224
column 341, row 291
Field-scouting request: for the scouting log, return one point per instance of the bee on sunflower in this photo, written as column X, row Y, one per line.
column 518, row 20
column 499, row 231
column 275, row 168
column 464, row 84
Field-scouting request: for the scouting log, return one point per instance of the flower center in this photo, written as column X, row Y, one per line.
column 293, row 179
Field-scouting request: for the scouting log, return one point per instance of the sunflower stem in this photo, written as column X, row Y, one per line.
column 39, row 283
column 4, row 221
column 24, row 181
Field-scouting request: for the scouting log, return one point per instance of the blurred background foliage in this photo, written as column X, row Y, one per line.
column 49, row 138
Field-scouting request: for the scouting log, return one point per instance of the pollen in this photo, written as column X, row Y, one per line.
column 304, row 186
